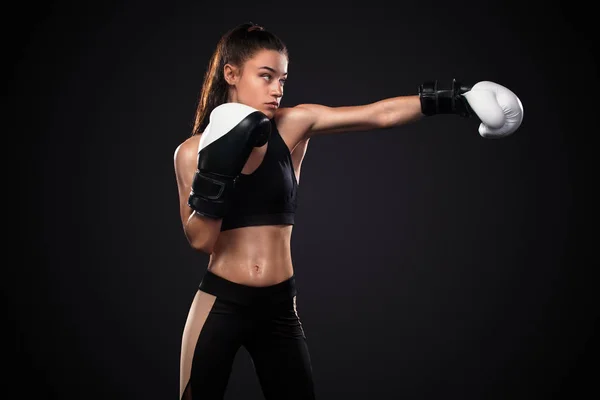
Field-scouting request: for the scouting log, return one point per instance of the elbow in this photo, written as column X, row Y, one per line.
column 201, row 245
column 203, row 250
column 202, row 233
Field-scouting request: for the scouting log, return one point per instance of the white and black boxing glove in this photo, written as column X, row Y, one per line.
column 499, row 109
column 233, row 130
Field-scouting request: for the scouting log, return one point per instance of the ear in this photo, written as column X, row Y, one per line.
column 230, row 72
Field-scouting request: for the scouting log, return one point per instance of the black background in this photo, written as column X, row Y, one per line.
column 431, row 262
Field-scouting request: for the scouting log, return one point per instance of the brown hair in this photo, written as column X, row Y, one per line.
column 235, row 47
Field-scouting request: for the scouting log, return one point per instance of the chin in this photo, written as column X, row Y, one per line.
column 269, row 112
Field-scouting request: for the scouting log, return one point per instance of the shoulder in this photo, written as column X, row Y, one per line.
column 186, row 153
column 294, row 124
column 298, row 114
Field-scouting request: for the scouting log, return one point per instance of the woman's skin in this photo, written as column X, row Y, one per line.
column 261, row 255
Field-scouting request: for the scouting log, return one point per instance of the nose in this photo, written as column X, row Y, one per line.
column 277, row 90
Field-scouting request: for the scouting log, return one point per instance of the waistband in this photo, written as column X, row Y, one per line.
column 248, row 295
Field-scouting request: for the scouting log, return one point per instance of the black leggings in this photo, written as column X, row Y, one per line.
column 227, row 315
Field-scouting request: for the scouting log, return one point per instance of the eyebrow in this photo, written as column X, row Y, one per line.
column 271, row 69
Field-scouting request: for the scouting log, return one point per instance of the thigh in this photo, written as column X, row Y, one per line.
column 281, row 358
column 212, row 336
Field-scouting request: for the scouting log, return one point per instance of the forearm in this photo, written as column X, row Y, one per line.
column 202, row 232
column 397, row 111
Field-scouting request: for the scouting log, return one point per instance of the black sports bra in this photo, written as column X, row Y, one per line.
column 267, row 196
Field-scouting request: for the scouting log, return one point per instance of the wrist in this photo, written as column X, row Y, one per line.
column 439, row 97
column 210, row 195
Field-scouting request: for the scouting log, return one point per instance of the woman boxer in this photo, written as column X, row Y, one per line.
column 237, row 178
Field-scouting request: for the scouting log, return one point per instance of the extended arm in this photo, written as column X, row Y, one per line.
column 387, row 113
column 499, row 110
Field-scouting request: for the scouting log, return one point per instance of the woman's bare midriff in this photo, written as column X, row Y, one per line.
column 253, row 255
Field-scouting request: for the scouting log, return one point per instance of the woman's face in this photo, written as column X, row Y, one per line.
column 260, row 82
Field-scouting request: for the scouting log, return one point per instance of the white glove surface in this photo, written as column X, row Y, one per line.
column 498, row 108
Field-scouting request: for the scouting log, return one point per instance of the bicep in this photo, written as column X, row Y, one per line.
column 185, row 164
column 323, row 119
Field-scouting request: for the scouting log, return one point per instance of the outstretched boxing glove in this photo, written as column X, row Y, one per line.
column 499, row 110
column 233, row 130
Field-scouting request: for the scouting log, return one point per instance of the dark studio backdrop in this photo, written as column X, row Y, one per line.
column 431, row 262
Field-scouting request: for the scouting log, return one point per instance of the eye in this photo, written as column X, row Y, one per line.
column 269, row 78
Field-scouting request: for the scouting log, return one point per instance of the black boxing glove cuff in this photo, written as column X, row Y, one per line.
column 444, row 98
column 210, row 194
column 428, row 97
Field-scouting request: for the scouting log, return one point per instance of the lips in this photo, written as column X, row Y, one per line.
column 274, row 104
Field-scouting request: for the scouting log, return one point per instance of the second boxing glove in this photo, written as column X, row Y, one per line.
column 226, row 143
